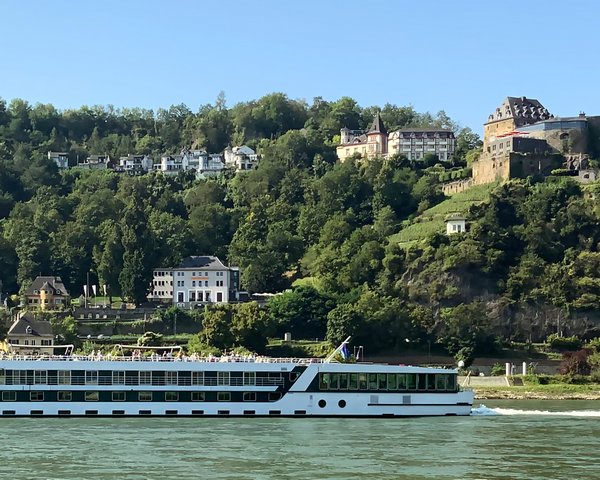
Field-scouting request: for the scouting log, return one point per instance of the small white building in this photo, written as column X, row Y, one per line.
column 456, row 223
column 241, row 158
column 60, row 158
column 197, row 280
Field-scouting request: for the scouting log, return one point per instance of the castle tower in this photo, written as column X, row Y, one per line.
column 377, row 137
column 514, row 112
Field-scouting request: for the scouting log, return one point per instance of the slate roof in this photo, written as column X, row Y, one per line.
column 204, row 262
column 38, row 327
column 524, row 110
column 54, row 284
column 377, row 126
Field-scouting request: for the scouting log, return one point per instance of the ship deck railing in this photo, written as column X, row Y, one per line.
column 160, row 358
column 154, row 382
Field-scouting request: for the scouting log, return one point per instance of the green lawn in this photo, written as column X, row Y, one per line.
column 432, row 220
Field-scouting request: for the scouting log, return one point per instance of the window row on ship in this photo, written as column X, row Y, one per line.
column 183, row 378
column 135, row 396
column 395, row 382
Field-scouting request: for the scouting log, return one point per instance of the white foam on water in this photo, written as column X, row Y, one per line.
column 484, row 411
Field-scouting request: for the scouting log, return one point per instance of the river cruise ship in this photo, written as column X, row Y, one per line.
column 159, row 385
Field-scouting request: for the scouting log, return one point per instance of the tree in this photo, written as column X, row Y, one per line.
column 250, row 326
column 301, row 311
column 343, row 321
column 216, row 328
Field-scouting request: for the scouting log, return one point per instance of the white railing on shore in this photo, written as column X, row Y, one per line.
column 159, row 358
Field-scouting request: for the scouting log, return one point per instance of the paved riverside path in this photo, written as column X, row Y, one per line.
column 473, row 381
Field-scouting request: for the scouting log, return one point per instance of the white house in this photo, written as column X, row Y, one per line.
column 136, row 164
column 60, row 158
column 173, row 164
column 455, row 223
column 210, row 166
column 197, row 280
column 241, row 158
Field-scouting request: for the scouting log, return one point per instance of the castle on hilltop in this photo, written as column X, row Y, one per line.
column 522, row 138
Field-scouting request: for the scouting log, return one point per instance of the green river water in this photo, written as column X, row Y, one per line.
column 504, row 440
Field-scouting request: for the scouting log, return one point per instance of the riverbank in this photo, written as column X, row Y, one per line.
column 539, row 392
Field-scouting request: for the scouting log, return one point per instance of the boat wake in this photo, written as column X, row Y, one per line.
column 483, row 411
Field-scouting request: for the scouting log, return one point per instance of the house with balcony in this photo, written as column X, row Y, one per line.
column 60, row 158
column 47, row 293
column 135, row 164
column 197, row 280
column 96, row 162
column 241, row 158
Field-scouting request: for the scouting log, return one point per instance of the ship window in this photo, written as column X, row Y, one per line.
column 197, row 396
column 2, row 377
column 324, row 381
column 401, row 379
column 343, row 381
column 197, row 378
column 353, row 381
column 91, row 377
column 118, row 378
column 118, row 396
column 223, row 396
column 92, row 396
column 391, row 381
column 64, row 377
column 362, row 381
column 372, row 381
column 249, row 378
column 20, row 377
column 222, row 378
column 382, row 381
column 171, row 396
column 451, row 383
column 144, row 396
column 431, row 381
column 171, row 378
column 334, row 381
column 40, row 377
column 64, row 396
column 293, row 376
column 145, row 378
column 411, row 381
column 36, row 396
column 9, row 396
column 274, row 396
column 249, row 396
column 422, row 381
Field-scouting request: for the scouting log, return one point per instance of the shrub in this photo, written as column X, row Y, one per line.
column 595, row 376
column 562, row 344
column 594, row 344
column 575, row 363
column 497, row 370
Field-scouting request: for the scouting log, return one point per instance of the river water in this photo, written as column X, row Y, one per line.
column 525, row 440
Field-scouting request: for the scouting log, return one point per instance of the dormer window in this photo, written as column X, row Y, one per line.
column 36, row 291
column 28, row 330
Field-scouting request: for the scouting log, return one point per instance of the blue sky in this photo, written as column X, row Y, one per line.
column 463, row 57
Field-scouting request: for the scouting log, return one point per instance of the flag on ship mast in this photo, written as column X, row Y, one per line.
column 344, row 351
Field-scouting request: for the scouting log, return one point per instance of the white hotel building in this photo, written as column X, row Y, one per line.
column 197, row 280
